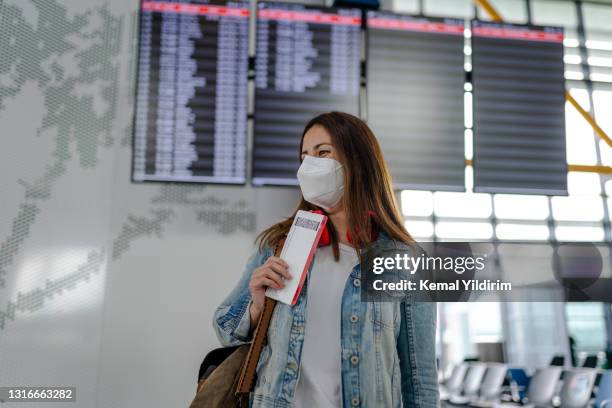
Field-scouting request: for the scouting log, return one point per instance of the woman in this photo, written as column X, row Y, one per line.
column 331, row 349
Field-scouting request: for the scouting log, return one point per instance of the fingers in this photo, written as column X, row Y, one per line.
column 272, row 283
column 279, row 266
column 279, row 270
column 267, row 275
column 271, row 274
column 266, row 279
column 275, row 276
column 278, row 260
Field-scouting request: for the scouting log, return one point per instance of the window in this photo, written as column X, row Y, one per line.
column 579, row 134
column 416, row 202
column 586, row 325
column 469, row 205
column 579, row 233
column 599, row 40
column 419, row 229
column 406, row 6
column 602, row 100
column 577, row 217
column 584, row 184
column 464, row 230
column 449, row 8
column 526, row 207
column 577, row 208
column 522, row 232
column 467, row 324
column 559, row 13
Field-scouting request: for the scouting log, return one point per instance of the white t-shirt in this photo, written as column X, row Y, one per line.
column 320, row 372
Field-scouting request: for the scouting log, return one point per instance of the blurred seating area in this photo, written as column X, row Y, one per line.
column 492, row 384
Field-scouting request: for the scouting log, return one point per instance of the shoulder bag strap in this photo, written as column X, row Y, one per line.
column 247, row 373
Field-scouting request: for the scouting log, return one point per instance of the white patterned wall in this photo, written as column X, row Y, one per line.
column 105, row 285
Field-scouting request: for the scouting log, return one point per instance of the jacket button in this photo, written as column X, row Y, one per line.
column 355, row 401
column 354, row 318
column 357, row 282
column 354, row 359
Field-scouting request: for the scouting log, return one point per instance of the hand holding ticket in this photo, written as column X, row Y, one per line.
column 301, row 242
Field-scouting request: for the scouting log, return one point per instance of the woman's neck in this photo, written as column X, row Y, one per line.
column 338, row 218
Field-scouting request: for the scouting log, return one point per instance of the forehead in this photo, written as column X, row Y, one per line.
column 314, row 136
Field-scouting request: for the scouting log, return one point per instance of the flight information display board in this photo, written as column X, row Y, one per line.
column 519, row 109
column 307, row 62
column 415, row 91
column 190, row 121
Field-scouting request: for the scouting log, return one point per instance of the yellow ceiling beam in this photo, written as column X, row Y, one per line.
column 590, row 169
column 583, row 168
column 491, row 11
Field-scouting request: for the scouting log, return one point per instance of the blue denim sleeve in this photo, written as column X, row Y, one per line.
column 231, row 319
column 417, row 353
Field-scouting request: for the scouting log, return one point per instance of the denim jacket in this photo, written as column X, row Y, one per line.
column 388, row 348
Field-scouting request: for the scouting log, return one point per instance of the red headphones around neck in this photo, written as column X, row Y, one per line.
column 326, row 238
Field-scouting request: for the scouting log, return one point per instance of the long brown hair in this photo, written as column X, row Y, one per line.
column 368, row 187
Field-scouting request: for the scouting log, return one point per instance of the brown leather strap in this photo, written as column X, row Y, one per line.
column 247, row 374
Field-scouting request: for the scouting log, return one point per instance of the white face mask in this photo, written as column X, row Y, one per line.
column 322, row 181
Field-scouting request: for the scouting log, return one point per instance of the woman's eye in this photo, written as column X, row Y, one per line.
column 323, row 152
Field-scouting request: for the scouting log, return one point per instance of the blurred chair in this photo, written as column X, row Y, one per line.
column 471, row 384
column 473, row 379
column 590, row 361
column 454, row 383
column 543, row 385
column 491, row 386
column 541, row 390
column 557, row 360
column 577, row 388
column 446, row 373
column 517, row 381
column 603, row 397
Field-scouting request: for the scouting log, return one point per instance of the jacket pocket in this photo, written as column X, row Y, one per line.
column 384, row 315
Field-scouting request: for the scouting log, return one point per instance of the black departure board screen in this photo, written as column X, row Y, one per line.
column 519, row 109
column 191, row 106
column 415, row 91
column 307, row 62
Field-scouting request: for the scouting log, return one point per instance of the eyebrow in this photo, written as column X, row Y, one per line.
column 317, row 146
